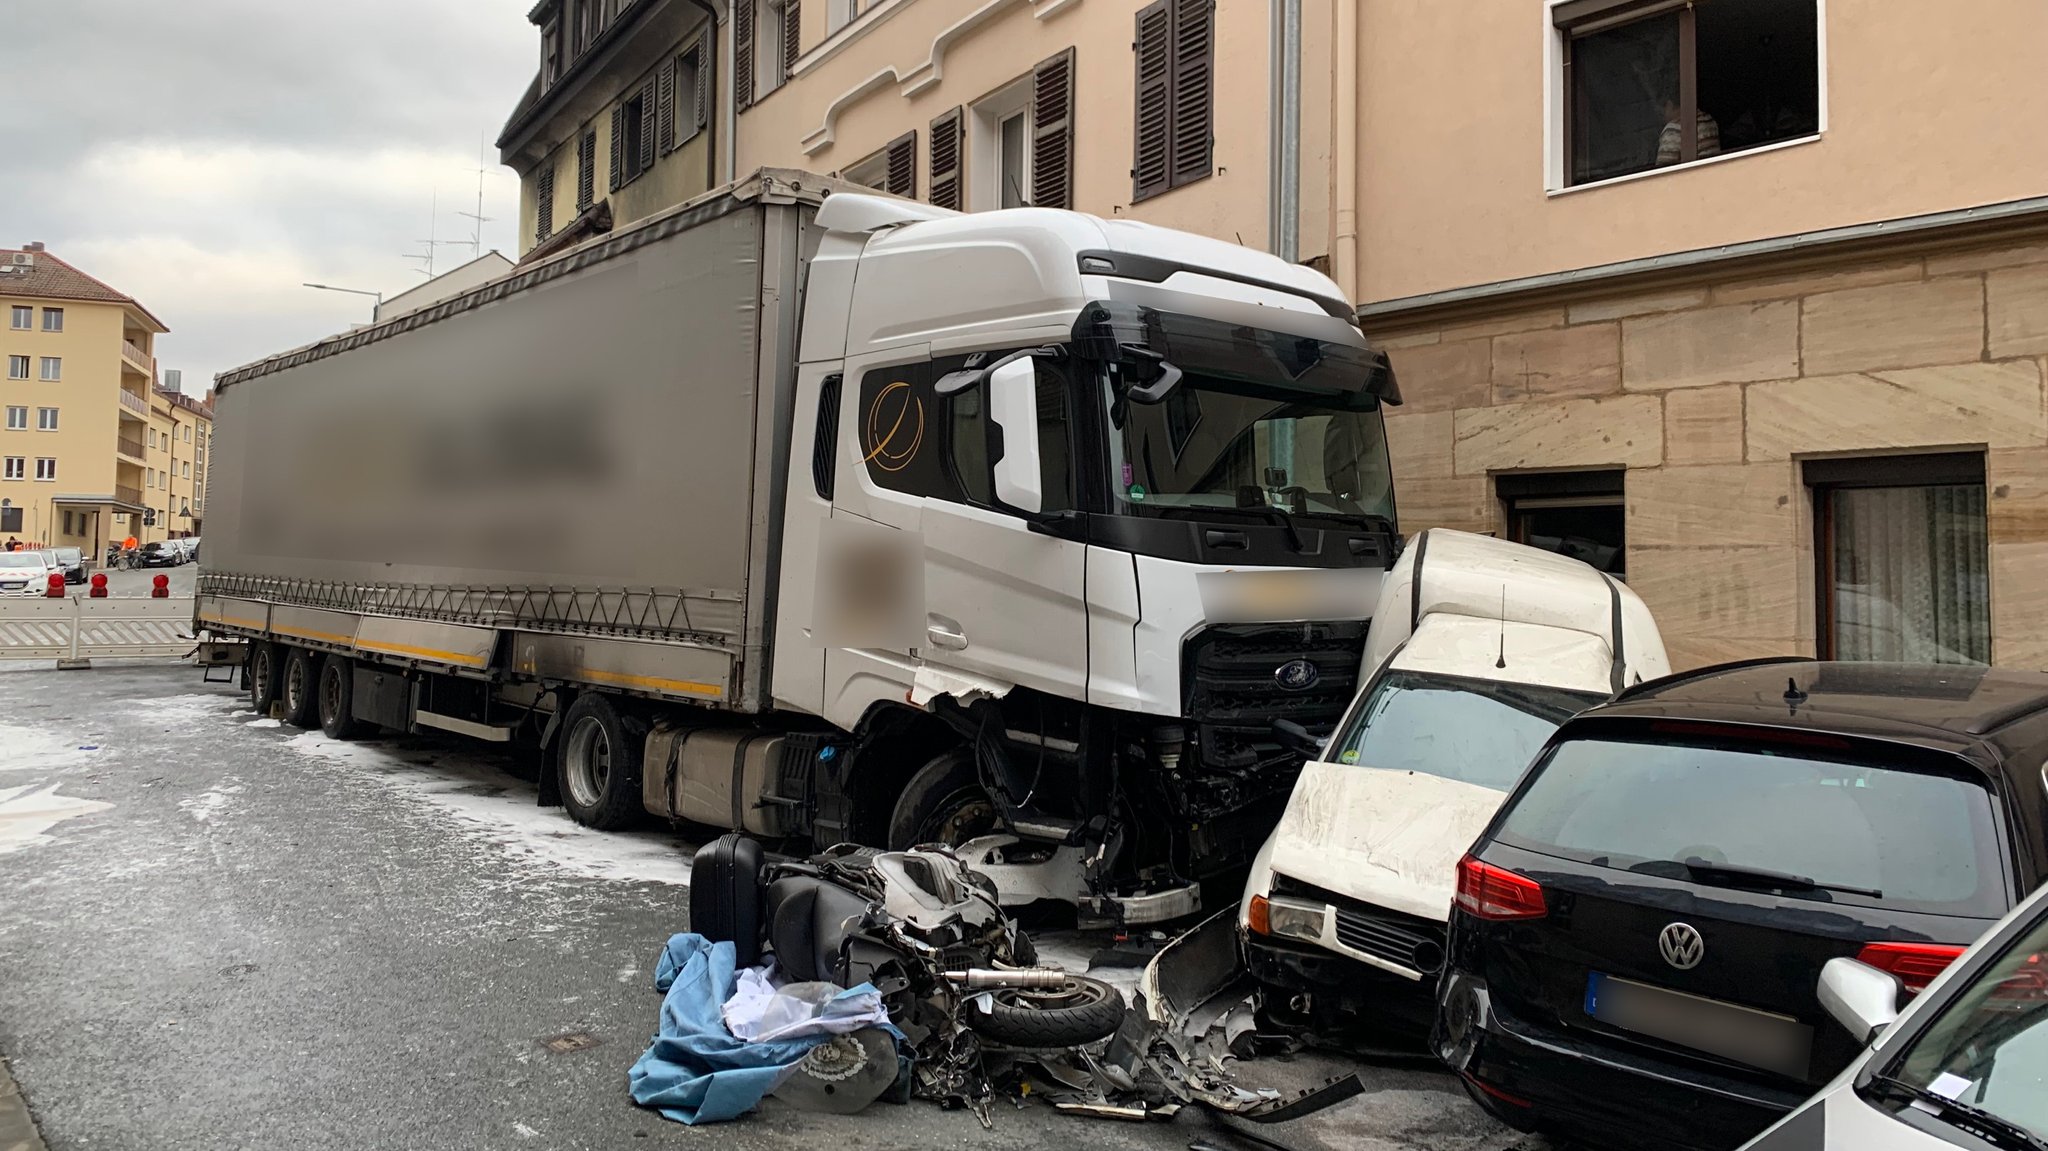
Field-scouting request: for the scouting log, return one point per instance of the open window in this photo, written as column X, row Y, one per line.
column 1577, row 514
column 1650, row 84
column 1000, row 142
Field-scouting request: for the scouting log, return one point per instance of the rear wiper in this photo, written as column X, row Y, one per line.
column 1702, row 869
column 1986, row 1125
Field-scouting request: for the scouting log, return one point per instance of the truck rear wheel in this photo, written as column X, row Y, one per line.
column 597, row 765
column 337, row 698
column 263, row 676
column 301, row 681
column 943, row 803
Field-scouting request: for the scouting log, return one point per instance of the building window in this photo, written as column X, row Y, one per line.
column 1176, row 60
column 892, row 170
column 185, row 470
column 1575, row 514
column 1652, row 83
column 544, row 201
column 46, row 419
column 53, row 319
column 23, row 318
column 844, row 12
column 693, row 94
column 17, row 467
column 766, row 39
column 1902, row 559
column 632, row 137
column 46, row 468
column 17, row 367
column 17, row 418
column 999, row 147
column 586, row 171
column 53, row 368
column 188, row 433
column 152, row 437
column 550, row 53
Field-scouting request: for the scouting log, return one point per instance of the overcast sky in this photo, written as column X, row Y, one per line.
column 207, row 156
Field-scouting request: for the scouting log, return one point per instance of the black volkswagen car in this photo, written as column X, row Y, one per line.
column 1638, row 935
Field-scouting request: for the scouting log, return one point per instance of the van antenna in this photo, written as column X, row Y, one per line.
column 1503, row 660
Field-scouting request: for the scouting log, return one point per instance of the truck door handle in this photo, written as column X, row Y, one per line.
column 945, row 633
column 1226, row 541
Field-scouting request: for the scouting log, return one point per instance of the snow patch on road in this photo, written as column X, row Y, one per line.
column 25, row 748
column 480, row 797
column 264, row 722
column 28, row 813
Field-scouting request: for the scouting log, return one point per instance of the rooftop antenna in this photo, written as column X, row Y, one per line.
column 476, row 237
column 1503, row 660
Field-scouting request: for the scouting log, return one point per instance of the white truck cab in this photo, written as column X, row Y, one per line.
column 1479, row 650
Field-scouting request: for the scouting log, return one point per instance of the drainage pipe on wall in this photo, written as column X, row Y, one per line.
column 1283, row 217
column 1344, row 152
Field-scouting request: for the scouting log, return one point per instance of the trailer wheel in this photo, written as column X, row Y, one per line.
column 943, row 803
column 301, row 681
column 597, row 765
column 263, row 676
column 337, row 698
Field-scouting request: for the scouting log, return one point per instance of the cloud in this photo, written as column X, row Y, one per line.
column 208, row 156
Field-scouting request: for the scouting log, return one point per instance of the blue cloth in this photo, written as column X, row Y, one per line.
column 696, row 1071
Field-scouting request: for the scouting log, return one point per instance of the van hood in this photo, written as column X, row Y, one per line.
column 1389, row 838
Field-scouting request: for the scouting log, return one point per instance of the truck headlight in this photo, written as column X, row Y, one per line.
column 1288, row 917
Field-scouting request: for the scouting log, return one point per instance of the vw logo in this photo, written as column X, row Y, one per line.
column 1296, row 675
column 1682, row 946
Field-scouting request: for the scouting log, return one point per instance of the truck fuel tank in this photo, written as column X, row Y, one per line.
column 741, row 778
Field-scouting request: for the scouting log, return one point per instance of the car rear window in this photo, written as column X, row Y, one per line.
column 1926, row 841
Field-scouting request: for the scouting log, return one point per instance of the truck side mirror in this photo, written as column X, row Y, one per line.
column 1013, row 407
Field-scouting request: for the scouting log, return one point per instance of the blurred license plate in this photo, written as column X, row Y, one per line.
column 1288, row 594
column 1758, row 1038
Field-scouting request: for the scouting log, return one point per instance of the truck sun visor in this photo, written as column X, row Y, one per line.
column 1332, row 359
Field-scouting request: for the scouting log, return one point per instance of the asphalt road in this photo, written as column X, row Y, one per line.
column 221, row 933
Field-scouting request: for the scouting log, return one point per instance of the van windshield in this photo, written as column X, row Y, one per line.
column 1924, row 841
column 1470, row 730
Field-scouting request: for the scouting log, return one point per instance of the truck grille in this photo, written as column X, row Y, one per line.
column 1234, row 692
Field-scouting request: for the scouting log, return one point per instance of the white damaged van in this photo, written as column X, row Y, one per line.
column 1479, row 649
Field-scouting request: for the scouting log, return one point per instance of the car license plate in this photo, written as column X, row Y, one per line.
column 1759, row 1038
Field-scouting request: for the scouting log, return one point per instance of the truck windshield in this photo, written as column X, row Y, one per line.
column 1221, row 443
column 1471, row 730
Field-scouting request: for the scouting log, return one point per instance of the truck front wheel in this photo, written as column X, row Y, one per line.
column 943, row 803
column 597, row 765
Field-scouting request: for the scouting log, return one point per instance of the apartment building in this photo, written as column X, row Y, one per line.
column 174, row 483
column 75, row 456
column 618, row 122
column 1746, row 300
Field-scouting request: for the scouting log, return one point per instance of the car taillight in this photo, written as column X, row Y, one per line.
column 1260, row 916
column 1490, row 892
column 2028, row 983
column 1915, row 964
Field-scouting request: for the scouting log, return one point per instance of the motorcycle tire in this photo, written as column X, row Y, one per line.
column 1078, row 1012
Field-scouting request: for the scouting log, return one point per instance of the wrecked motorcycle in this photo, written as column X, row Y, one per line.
column 958, row 977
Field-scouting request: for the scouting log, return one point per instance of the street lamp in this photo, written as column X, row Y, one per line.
column 352, row 292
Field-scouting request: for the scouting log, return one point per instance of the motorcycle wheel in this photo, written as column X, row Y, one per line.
column 1079, row 1011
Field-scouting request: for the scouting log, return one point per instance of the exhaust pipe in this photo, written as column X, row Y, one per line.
column 982, row 978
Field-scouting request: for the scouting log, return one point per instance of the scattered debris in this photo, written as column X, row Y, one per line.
column 570, row 1042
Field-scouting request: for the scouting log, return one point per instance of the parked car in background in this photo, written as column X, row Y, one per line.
column 1479, row 649
column 1640, row 932
column 26, row 572
column 191, row 548
column 1964, row 1065
column 162, row 554
column 71, row 561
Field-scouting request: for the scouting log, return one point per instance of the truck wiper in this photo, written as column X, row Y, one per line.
column 1989, row 1126
column 1702, row 869
column 1272, row 516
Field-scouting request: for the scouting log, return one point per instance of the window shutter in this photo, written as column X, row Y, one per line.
column 1052, row 132
column 665, row 121
column 586, row 171
column 948, row 135
column 792, row 35
column 1194, row 63
column 743, row 54
column 618, row 144
column 705, row 88
column 544, row 201
column 1152, row 138
column 902, row 166
column 648, row 120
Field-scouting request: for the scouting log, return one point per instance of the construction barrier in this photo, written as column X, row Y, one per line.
column 77, row 628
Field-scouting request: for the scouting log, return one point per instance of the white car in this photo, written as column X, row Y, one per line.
column 1479, row 650
column 1964, row 1066
column 26, row 572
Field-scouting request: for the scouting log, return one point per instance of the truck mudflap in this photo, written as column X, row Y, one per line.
column 1193, row 1006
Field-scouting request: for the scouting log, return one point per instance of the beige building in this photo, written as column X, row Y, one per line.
column 174, row 482
column 75, row 455
column 1744, row 300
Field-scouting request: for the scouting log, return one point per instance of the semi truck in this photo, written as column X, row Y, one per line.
column 832, row 517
